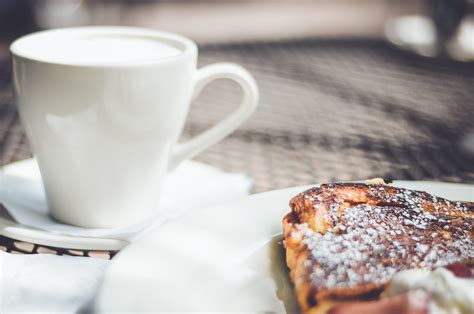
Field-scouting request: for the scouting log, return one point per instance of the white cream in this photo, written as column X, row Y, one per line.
column 450, row 293
column 97, row 49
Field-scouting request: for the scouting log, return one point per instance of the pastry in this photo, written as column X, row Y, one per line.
column 345, row 241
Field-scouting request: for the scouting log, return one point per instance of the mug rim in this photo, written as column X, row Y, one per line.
column 189, row 47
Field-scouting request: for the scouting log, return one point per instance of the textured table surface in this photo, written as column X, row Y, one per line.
column 330, row 110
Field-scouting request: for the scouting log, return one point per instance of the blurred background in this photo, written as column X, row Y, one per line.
column 350, row 89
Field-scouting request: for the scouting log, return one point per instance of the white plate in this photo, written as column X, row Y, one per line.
column 222, row 259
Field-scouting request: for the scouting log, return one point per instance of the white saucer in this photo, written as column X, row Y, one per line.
column 418, row 34
column 222, row 259
column 20, row 186
column 28, row 219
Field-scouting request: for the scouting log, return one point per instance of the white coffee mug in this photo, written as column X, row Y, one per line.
column 104, row 107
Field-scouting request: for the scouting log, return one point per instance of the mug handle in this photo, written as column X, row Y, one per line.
column 211, row 136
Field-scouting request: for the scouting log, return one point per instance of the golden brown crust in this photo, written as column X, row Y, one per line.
column 345, row 241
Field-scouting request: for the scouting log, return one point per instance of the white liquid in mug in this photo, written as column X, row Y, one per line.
column 101, row 49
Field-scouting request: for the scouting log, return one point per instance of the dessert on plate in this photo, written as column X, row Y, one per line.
column 352, row 242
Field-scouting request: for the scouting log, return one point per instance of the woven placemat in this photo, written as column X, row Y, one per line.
column 330, row 110
column 20, row 247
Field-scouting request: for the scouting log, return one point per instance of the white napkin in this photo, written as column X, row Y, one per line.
column 49, row 283
column 192, row 185
column 46, row 283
